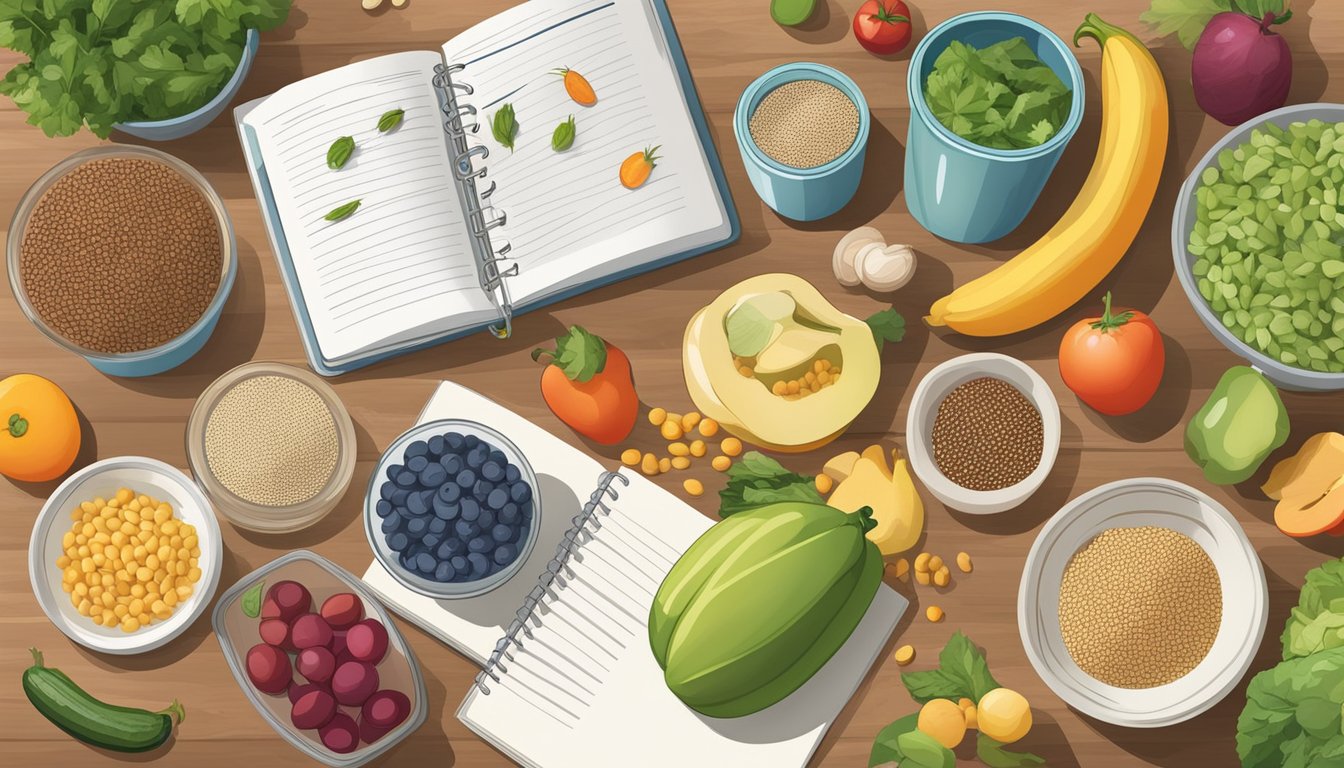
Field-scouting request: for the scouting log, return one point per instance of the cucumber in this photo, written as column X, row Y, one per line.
column 68, row 707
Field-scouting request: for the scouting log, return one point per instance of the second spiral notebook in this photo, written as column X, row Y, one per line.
column 455, row 218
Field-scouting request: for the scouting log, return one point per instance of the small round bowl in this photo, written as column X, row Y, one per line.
column 802, row 194
column 1183, row 223
column 960, row 190
column 260, row 517
column 144, row 476
column 185, row 125
column 924, row 409
column 1129, row 504
column 146, row 362
column 388, row 557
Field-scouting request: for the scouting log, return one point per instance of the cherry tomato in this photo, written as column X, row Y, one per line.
column 883, row 26
column 1113, row 362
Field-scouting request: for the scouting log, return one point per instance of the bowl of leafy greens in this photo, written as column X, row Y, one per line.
column 155, row 69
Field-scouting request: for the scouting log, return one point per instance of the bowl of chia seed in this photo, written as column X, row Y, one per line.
column 982, row 432
column 1258, row 242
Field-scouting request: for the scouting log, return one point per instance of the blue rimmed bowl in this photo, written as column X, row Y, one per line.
column 185, row 125
column 802, row 194
column 955, row 188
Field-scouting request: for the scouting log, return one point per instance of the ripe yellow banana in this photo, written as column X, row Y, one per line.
column 1092, row 236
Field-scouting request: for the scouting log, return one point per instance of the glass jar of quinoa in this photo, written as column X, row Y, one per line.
column 123, row 255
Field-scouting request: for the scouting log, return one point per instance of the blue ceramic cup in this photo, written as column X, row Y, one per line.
column 802, row 194
column 955, row 188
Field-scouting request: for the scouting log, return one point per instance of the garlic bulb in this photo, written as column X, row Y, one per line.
column 885, row 267
column 846, row 253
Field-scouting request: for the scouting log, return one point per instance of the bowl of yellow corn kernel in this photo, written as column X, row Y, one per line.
column 125, row 555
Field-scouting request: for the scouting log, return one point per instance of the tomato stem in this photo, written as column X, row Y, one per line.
column 1109, row 322
column 18, row 426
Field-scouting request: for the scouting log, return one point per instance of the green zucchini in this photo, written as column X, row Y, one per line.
column 68, row 707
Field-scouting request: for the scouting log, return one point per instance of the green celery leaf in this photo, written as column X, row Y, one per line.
column 1184, row 18
column 756, row 480
column 962, row 673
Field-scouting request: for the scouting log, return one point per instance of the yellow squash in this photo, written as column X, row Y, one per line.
column 1061, row 267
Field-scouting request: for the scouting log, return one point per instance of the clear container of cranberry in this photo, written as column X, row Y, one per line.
column 320, row 659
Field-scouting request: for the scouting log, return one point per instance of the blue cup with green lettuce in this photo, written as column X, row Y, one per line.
column 987, row 131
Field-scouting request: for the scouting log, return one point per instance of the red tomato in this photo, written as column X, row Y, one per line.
column 588, row 384
column 883, row 26
column 1113, row 362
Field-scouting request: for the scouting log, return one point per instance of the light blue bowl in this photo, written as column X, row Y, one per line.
column 146, row 362
column 177, row 127
column 955, row 188
column 802, row 194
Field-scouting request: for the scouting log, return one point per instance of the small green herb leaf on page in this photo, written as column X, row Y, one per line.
column 563, row 136
column 250, row 602
column 504, row 126
column 340, row 151
column 390, row 119
column 992, row 754
column 342, row 211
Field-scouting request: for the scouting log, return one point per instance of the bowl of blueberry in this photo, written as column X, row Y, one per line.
column 451, row 510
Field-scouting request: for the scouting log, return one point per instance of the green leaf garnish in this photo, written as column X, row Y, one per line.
column 251, row 600
column 580, row 354
column 887, row 326
column 339, row 152
column 342, row 211
column 390, row 119
column 504, row 126
column 756, row 480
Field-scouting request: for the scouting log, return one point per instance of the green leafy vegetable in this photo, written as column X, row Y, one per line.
column 250, row 602
column 1317, row 622
column 1001, row 96
column 962, row 673
column 756, row 480
column 887, row 326
column 1187, row 18
column 504, row 126
column 885, row 747
column 97, row 63
column 992, row 754
column 340, row 151
column 342, row 211
column 563, row 136
column 1292, row 714
column 390, row 119
column 580, row 354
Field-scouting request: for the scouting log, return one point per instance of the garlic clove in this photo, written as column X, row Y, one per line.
column 887, row 268
column 842, row 260
column 370, row 5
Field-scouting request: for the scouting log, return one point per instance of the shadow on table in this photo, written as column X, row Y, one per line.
column 1163, row 412
column 825, row 25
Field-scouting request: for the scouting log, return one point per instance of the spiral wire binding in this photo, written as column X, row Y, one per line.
column 481, row 214
column 586, row 521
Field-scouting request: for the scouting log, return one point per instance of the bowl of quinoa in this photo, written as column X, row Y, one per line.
column 124, row 256
column 272, row 446
column 1142, row 603
column 802, row 129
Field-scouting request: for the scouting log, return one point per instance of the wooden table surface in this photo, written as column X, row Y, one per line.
column 728, row 44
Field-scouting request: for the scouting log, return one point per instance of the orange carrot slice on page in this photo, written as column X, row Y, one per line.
column 577, row 86
column 636, row 168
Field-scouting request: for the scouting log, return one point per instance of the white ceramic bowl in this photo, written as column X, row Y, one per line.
column 104, row 478
column 1128, row 504
column 924, row 409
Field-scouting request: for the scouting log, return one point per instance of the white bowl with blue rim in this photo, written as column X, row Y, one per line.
column 960, row 190
column 802, row 194
column 185, row 125
column 103, row 479
column 1183, row 224
column 374, row 520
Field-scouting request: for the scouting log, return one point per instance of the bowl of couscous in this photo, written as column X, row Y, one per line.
column 125, row 555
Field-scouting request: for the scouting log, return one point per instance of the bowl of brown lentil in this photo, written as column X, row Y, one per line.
column 982, row 432
column 802, row 129
column 123, row 255
column 272, row 446
column 1142, row 603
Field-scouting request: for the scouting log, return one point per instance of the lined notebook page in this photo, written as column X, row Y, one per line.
column 585, row 691
column 400, row 269
column 569, row 219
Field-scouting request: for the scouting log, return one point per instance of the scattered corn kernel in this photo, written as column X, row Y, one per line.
column 935, row 563
column 671, row 430
column 922, row 562
column 649, row 465
column 942, row 577
column 681, row 462
column 657, row 416
column 934, row 613
column 664, row 464
column 731, row 446
column 923, row 577
column 679, row 449
column 689, row 421
column 698, row 448
column 721, row 463
column 905, row 654
column 693, row 486
column 708, row 428
column 824, row 483
column 630, row 457
column 964, row 562
column 903, row 569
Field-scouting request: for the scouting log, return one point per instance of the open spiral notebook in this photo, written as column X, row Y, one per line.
column 579, row 686
column 445, row 241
